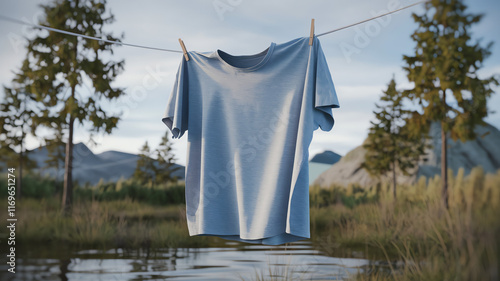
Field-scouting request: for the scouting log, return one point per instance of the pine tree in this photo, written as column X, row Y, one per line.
column 58, row 67
column 390, row 145
column 444, row 73
column 16, row 121
column 145, row 168
column 165, row 162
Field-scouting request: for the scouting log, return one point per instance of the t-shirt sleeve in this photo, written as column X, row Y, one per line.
column 325, row 97
column 176, row 113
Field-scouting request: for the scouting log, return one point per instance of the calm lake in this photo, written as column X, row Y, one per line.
column 233, row 261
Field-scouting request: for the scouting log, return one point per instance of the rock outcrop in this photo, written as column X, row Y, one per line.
column 484, row 151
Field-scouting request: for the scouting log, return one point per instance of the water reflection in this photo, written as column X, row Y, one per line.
column 235, row 261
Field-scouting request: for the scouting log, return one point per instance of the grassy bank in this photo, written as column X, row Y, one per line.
column 119, row 223
column 429, row 242
column 462, row 243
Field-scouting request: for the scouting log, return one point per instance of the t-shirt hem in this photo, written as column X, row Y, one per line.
column 281, row 238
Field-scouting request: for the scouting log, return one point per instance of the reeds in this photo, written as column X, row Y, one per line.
column 428, row 241
column 108, row 224
column 416, row 237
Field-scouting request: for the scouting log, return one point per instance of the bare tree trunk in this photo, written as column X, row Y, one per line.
column 67, row 198
column 68, row 172
column 444, row 167
column 20, row 178
column 444, row 156
column 21, row 156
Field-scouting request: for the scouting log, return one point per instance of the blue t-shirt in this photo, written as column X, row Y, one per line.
column 250, row 120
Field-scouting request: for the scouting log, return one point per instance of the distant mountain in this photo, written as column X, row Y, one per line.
column 483, row 151
column 320, row 163
column 326, row 157
column 91, row 168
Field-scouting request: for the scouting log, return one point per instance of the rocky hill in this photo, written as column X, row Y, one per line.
column 483, row 151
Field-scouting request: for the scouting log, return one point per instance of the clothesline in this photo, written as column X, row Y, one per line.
column 376, row 17
column 6, row 18
column 14, row 20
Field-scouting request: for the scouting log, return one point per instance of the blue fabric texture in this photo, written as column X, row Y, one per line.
column 250, row 121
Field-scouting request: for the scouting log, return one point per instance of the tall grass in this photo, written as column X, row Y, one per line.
column 415, row 235
column 108, row 224
column 461, row 243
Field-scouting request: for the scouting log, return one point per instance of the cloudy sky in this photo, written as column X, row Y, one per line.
column 362, row 59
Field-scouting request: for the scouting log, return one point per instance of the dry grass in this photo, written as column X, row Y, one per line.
column 123, row 223
column 461, row 243
column 415, row 235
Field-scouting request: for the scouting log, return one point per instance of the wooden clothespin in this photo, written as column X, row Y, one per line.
column 184, row 49
column 311, row 36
